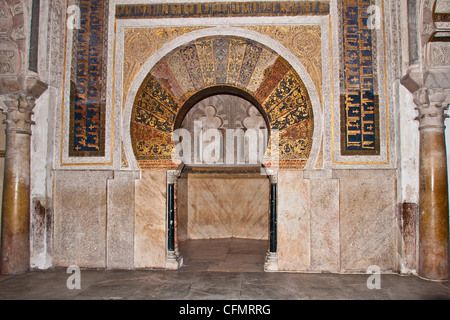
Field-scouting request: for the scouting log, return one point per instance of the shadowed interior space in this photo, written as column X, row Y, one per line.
column 223, row 220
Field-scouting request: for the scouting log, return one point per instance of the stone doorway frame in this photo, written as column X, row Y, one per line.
column 174, row 260
column 272, row 257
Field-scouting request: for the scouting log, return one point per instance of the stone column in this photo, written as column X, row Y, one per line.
column 271, row 263
column 273, row 218
column 15, row 247
column 170, row 217
column 173, row 259
column 433, row 196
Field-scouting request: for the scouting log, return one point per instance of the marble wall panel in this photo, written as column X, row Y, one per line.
column 150, row 220
column 325, row 225
column 210, row 211
column 120, row 223
column 294, row 210
column 80, row 219
column 182, row 209
column 227, row 207
column 251, row 208
column 368, row 224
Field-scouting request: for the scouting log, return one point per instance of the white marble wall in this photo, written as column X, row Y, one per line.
column 368, row 222
column 79, row 236
column 150, row 220
column 120, row 221
column 345, row 222
column 294, row 220
column 328, row 221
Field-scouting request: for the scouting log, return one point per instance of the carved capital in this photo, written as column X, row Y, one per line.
column 273, row 178
column 172, row 176
column 19, row 109
column 431, row 107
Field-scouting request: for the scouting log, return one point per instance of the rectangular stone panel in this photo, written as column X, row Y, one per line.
column 80, row 219
column 182, row 208
column 325, row 225
column 227, row 206
column 294, row 210
column 150, row 220
column 368, row 225
column 120, row 223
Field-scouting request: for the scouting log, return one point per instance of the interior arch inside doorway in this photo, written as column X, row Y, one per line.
column 226, row 128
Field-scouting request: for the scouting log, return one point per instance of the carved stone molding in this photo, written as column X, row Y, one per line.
column 427, row 25
column 431, row 107
column 271, row 262
column 439, row 54
column 441, row 15
column 174, row 260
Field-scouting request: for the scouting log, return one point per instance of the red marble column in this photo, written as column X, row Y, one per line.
column 15, row 247
column 433, row 196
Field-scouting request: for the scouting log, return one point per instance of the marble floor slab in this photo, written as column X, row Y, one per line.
column 225, row 269
column 211, row 285
column 224, row 255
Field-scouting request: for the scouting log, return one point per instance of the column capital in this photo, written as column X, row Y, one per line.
column 273, row 178
column 431, row 107
column 19, row 108
column 172, row 176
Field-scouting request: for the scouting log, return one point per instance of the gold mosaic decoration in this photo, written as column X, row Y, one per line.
column 141, row 44
column 221, row 61
column 304, row 42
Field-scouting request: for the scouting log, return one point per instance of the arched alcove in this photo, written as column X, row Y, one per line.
column 222, row 206
column 204, row 64
column 213, row 65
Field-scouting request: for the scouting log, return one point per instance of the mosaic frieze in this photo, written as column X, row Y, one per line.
column 235, row 62
column 152, row 143
column 222, row 9
column 272, row 77
column 251, row 57
column 359, row 100
column 87, row 114
column 221, row 49
column 281, row 91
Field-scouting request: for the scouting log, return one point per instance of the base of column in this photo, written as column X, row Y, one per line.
column 440, row 275
column 174, row 260
column 271, row 263
column 15, row 254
